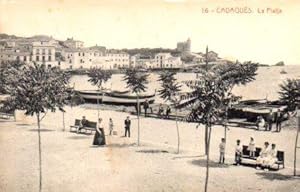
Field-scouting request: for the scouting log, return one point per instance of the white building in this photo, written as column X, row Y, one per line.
column 82, row 58
column 165, row 60
column 117, row 60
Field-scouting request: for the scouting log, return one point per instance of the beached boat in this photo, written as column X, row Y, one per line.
column 283, row 72
column 116, row 97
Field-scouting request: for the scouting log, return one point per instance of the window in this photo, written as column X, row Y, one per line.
column 78, row 54
column 90, row 60
column 18, row 58
column 25, row 58
column 70, row 61
column 82, row 54
column 37, row 51
column 49, row 58
column 43, row 51
column 37, row 58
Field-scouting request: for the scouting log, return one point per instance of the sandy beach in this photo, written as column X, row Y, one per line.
column 71, row 163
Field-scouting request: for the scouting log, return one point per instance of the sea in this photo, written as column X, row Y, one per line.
column 265, row 86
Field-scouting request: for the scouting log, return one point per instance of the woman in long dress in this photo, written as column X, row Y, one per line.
column 260, row 122
column 272, row 157
column 99, row 138
column 262, row 160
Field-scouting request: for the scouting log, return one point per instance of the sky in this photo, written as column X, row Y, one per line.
column 266, row 38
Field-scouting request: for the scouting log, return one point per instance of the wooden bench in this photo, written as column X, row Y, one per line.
column 246, row 155
column 6, row 115
column 90, row 126
column 75, row 126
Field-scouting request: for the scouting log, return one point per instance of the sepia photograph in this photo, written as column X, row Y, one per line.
column 149, row 96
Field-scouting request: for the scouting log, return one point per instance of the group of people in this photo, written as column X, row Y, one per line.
column 266, row 159
column 161, row 111
column 99, row 138
column 267, row 122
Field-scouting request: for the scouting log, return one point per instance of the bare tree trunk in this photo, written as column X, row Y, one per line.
column 207, row 158
column 64, row 127
column 178, row 137
column 138, row 117
column 15, row 116
column 205, row 139
column 40, row 151
column 296, row 145
column 98, row 104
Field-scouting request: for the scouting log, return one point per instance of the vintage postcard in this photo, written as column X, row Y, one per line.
column 149, row 95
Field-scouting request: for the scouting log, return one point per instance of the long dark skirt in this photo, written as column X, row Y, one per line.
column 99, row 138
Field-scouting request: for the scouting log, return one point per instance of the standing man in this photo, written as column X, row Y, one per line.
column 146, row 106
column 127, row 126
column 270, row 120
column 278, row 120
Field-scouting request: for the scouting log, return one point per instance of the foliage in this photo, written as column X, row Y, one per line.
column 37, row 89
column 212, row 93
column 97, row 76
column 136, row 80
column 170, row 88
column 289, row 93
column 169, row 92
column 212, row 89
column 8, row 70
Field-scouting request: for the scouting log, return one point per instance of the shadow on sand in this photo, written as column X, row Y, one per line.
column 24, row 124
column 42, row 130
column 78, row 137
column 212, row 164
column 187, row 157
column 271, row 176
column 152, row 151
column 117, row 145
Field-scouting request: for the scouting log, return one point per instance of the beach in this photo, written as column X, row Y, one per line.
column 71, row 163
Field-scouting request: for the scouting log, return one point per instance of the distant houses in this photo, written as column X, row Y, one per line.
column 72, row 54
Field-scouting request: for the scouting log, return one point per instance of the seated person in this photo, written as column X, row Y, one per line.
column 272, row 157
column 262, row 160
column 83, row 123
column 160, row 110
column 260, row 123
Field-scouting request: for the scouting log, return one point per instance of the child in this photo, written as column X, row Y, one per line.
column 238, row 152
column 251, row 147
column 222, row 150
column 111, row 126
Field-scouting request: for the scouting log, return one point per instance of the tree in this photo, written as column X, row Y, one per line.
column 211, row 92
column 8, row 70
column 289, row 93
column 97, row 77
column 169, row 92
column 37, row 89
column 136, row 81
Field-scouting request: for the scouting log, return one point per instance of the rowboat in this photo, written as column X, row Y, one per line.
column 115, row 97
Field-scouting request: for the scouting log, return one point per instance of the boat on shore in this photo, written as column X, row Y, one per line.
column 283, row 72
column 115, row 97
